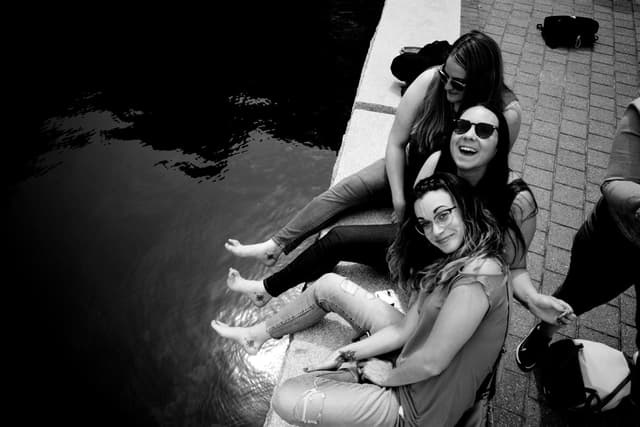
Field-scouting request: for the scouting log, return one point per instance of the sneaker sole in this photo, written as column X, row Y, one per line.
column 518, row 362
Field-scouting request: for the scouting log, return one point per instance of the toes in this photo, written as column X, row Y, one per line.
column 233, row 273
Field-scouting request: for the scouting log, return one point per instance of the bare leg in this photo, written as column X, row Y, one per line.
column 254, row 289
column 267, row 252
column 251, row 338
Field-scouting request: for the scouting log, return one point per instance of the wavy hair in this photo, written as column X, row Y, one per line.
column 419, row 265
column 481, row 58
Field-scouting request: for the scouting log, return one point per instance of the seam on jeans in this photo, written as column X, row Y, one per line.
column 287, row 320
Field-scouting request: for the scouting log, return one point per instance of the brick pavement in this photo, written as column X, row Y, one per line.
column 572, row 99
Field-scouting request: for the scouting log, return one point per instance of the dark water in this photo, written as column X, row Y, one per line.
column 140, row 141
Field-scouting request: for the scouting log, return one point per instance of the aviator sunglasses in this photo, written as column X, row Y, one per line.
column 483, row 130
column 456, row 84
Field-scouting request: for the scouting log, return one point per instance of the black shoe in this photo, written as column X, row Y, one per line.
column 531, row 348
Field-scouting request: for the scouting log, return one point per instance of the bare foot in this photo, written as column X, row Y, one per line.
column 250, row 338
column 267, row 252
column 254, row 289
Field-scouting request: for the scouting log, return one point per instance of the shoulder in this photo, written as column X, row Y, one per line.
column 483, row 266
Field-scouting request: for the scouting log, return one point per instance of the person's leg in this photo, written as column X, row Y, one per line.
column 314, row 399
column 369, row 185
column 602, row 266
column 364, row 244
column 337, row 294
column 331, row 293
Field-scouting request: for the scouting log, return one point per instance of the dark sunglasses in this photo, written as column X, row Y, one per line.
column 483, row 130
column 456, row 84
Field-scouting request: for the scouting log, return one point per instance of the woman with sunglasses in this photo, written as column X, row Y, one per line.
column 471, row 74
column 448, row 253
column 478, row 153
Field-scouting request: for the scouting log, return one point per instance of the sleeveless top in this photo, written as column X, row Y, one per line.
column 447, row 396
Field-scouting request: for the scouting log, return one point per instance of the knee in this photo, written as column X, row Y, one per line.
column 328, row 284
column 298, row 401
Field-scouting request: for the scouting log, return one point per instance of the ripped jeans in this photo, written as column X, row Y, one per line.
column 334, row 398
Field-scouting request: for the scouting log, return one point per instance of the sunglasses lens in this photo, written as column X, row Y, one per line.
column 462, row 126
column 457, row 85
column 484, row 130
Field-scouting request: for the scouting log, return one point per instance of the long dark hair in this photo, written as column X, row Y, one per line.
column 493, row 188
column 481, row 58
column 417, row 264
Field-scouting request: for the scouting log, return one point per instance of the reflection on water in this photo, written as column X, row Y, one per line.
column 124, row 187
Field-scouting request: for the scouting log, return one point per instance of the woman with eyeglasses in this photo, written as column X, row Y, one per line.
column 471, row 74
column 477, row 152
column 448, row 251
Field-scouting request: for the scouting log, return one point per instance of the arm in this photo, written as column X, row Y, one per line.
column 429, row 167
column 399, row 137
column 513, row 116
column 385, row 340
column 459, row 317
column 545, row 307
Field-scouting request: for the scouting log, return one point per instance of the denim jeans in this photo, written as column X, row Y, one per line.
column 364, row 244
column 369, row 186
column 333, row 293
column 334, row 398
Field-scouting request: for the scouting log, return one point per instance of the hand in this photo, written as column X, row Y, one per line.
column 333, row 361
column 551, row 309
column 399, row 207
column 375, row 370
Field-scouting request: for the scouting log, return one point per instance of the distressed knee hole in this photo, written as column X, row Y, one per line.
column 351, row 288
column 309, row 408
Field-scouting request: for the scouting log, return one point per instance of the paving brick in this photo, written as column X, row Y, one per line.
column 537, row 245
column 578, row 67
column 576, row 101
column 551, row 281
column 606, row 130
column 538, row 177
column 572, row 143
column 571, row 159
column 542, row 220
column 545, row 129
column 599, row 143
column 511, row 392
column 627, row 90
column 526, row 90
column 602, row 89
column 601, row 115
column 566, row 215
column 627, row 309
column 575, row 115
column 553, row 102
column 601, row 68
column 547, row 115
column 570, row 176
column 593, row 192
column 568, row 195
column 542, row 196
column 628, row 339
column 598, row 158
column 561, row 236
column 602, row 102
column 516, row 162
column 624, row 57
column 557, row 260
column 629, row 79
column 535, row 266
column 577, row 90
column 595, row 174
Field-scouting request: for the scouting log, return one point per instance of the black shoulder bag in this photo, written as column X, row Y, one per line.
column 569, row 31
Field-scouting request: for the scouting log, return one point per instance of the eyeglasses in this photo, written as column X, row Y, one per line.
column 456, row 84
column 442, row 219
column 483, row 130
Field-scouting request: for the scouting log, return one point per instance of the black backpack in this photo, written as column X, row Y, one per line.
column 569, row 31
column 564, row 385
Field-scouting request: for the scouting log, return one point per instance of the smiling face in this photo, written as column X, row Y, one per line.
column 470, row 152
column 456, row 72
column 440, row 220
